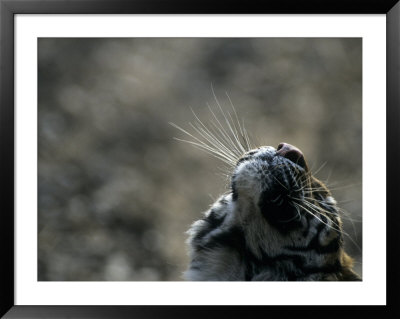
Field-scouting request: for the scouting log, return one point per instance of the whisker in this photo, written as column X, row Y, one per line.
column 241, row 129
column 209, row 150
column 320, row 168
column 213, row 138
column 320, row 210
column 306, row 210
column 226, row 119
column 213, row 141
column 222, row 131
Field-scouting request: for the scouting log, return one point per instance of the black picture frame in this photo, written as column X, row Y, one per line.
column 8, row 10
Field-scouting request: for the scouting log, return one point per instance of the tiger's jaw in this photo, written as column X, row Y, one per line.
column 272, row 179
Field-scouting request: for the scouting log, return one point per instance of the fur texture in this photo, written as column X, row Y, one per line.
column 276, row 223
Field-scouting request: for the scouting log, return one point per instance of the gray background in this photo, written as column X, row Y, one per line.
column 117, row 192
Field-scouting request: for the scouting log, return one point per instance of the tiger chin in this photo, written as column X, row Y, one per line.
column 277, row 223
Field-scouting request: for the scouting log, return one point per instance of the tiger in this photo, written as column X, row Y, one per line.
column 277, row 222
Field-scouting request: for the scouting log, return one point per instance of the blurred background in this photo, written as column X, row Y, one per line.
column 117, row 192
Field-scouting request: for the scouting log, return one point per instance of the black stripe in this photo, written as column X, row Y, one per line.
column 246, row 157
column 234, row 240
column 315, row 245
column 332, row 247
column 308, row 227
column 213, row 221
column 279, row 264
column 194, row 267
column 235, row 194
column 231, row 238
column 327, row 269
column 242, row 160
column 324, row 218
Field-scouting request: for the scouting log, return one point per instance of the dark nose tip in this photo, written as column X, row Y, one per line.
column 292, row 153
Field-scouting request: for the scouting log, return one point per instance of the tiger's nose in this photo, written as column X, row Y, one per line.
column 292, row 153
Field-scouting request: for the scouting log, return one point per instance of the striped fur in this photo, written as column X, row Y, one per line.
column 277, row 223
